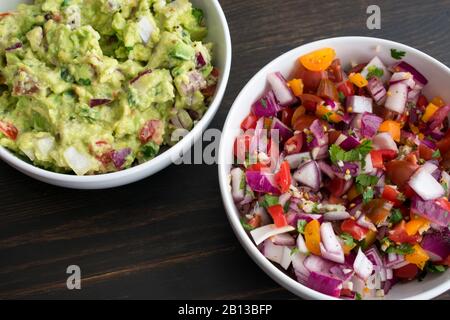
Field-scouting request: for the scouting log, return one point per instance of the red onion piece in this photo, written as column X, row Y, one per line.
column 376, row 62
column 15, row 46
column 260, row 234
column 98, row 102
column 283, row 239
column 430, row 210
column 359, row 104
column 438, row 118
column 406, row 67
column 324, row 283
column 362, row 265
column 283, row 93
column 262, row 182
column 309, row 175
column 349, row 143
column 140, row 75
column 370, row 124
column 266, row 106
column 330, row 247
column 384, row 141
column 437, row 245
column 119, row 157
column 425, row 185
column 396, row 97
column 377, row 90
column 284, row 132
column 200, row 60
column 237, row 174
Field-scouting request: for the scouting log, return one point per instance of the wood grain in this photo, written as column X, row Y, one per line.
column 167, row 237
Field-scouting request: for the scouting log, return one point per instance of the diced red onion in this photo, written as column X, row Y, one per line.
column 237, row 174
column 370, row 124
column 119, row 157
column 200, row 60
column 283, row 93
column 377, row 90
column 349, row 143
column 260, row 234
column 140, row 75
column 266, row 106
column 359, row 104
column 98, row 102
column 283, row 239
column 318, row 132
column 262, row 182
column 284, row 132
column 301, row 245
column 145, row 29
column 363, row 221
column 330, row 247
column 430, row 210
column 384, row 141
column 276, row 253
column 324, row 283
column 326, row 169
column 284, row 198
column 308, row 174
column 425, row 185
column 438, row 118
column 317, row 264
column 396, row 97
column 437, row 245
column 15, row 46
column 404, row 77
column 374, row 256
column 301, row 271
column 295, row 160
column 319, row 153
column 362, row 265
column 404, row 66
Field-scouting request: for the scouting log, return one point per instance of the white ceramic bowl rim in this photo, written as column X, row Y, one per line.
column 166, row 157
column 233, row 215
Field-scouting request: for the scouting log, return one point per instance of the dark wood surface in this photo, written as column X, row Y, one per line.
column 167, row 237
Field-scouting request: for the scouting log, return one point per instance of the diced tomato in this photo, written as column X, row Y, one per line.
column 311, row 79
column 399, row 234
column 242, row 146
column 356, row 231
column 304, row 122
column 255, row 222
column 257, row 167
column 294, row 144
column 277, row 214
column 447, row 261
column 249, row 122
column 399, row 172
column 333, row 135
column 335, row 72
column 377, row 159
column 298, row 112
column 335, row 200
column 9, row 130
column 407, row 272
column 376, row 211
column 152, row 130
column 425, row 152
column 286, row 116
column 336, row 187
column 444, row 144
column 392, row 194
column 422, row 102
column 283, row 177
column 443, row 203
column 346, row 88
column 310, row 101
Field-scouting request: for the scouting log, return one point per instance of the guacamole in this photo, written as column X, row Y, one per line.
column 97, row 86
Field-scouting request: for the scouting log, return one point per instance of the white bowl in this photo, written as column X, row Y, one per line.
column 357, row 49
column 219, row 34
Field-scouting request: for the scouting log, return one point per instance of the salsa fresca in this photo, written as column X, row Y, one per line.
column 341, row 175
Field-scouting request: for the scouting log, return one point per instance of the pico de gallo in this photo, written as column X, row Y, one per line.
column 341, row 175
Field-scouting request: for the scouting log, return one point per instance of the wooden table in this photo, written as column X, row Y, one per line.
column 167, row 237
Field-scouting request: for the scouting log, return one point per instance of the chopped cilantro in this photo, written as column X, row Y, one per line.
column 198, row 15
column 242, row 184
column 397, row 54
column 84, row 82
column 286, row 206
column 435, row 268
column 309, row 138
column 348, row 239
column 65, row 3
column 264, row 103
column 436, row 154
column 364, row 184
column 341, row 97
column 396, row 216
column 66, row 76
column 403, row 248
column 357, row 154
column 150, row 150
column 246, row 226
column 368, row 195
column 301, row 224
column 375, row 72
column 294, row 251
column 358, row 296
column 269, row 201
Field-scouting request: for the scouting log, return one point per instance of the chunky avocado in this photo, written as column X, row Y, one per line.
column 96, row 86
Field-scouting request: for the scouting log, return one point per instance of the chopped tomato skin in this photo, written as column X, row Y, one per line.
column 356, row 231
column 399, row 234
column 9, row 130
column 294, row 144
column 277, row 214
column 283, row 177
column 249, row 122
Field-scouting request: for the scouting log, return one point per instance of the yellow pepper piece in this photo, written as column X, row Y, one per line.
column 348, row 249
column 393, row 128
column 370, row 238
column 429, row 111
column 419, row 257
column 358, row 80
column 296, row 86
column 438, row 101
column 413, row 226
column 312, row 237
column 324, row 113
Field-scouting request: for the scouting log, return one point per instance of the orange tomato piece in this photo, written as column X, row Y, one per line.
column 429, row 111
column 296, row 86
column 318, row 60
column 324, row 113
column 297, row 114
column 413, row 226
column 419, row 257
column 358, row 80
column 312, row 237
column 392, row 127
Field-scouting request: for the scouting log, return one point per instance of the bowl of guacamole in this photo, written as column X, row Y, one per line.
column 92, row 91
